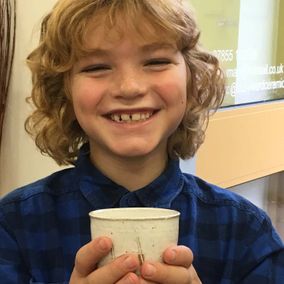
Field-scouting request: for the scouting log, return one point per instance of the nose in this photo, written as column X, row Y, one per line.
column 129, row 83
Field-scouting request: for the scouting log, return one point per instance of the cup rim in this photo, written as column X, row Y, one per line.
column 165, row 213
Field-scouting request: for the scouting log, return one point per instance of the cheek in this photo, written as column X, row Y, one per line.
column 175, row 85
column 84, row 95
column 173, row 91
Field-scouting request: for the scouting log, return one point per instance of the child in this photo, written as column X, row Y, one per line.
column 122, row 89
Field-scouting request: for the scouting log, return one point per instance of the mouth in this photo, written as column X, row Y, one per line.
column 130, row 117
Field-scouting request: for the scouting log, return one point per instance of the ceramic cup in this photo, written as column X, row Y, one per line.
column 146, row 232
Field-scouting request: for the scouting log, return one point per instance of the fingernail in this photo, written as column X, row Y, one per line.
column 149, row 270
column 130, row 263
column 103, row 244
column 172, row 255
column 132, row 278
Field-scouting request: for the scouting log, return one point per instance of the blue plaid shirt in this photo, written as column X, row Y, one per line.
column 42, row 226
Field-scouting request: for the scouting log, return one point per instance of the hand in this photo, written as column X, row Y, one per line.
column 176, row 269
column 119, row 271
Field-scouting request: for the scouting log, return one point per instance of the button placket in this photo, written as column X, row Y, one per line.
column 129, row 200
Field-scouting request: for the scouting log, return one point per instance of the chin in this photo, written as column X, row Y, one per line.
column 139, row 147
column 134, row 150
column 133, row 153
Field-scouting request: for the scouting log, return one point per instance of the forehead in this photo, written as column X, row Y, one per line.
column 102, row 32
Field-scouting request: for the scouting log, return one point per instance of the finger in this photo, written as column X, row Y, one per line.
column 144, row 281
column 166, row 274
column 117, row 270
column 193, row 275
column 129, row 278
column 178, row 255
column 89, row 255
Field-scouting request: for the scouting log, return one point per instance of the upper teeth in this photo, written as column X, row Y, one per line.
column 130, row 117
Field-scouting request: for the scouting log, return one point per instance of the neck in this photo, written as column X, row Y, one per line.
column 132, row 173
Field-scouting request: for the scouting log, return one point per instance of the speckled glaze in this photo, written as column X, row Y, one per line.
column 143, row 231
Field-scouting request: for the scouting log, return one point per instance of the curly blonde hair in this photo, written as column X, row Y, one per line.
column 53, row 124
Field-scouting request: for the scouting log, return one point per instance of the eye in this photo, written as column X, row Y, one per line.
column 96, row 68
column 158, row 62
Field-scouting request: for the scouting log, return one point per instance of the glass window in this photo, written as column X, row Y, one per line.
column 248, row 38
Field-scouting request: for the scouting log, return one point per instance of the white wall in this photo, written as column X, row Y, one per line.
column 268, row 194
column 255, row 44
column 256, row 191
column 20, row 162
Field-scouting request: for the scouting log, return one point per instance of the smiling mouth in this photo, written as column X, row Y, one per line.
column 130, row 117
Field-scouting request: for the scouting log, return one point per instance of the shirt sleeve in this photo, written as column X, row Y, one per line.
column 264, row 258
column 12, row 267
column 270, row 270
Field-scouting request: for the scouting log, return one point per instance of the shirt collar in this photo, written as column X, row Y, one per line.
column 102, row 192
column 164, row 189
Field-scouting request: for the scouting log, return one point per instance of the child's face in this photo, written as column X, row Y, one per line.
column 129, row 95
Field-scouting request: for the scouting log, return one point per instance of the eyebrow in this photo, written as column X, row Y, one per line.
column 98, row 52
column 151, row 47
column 156, row 46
